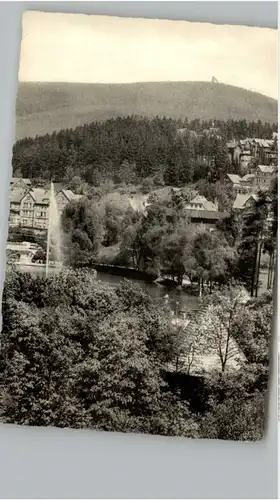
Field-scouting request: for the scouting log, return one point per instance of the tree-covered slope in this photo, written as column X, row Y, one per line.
column 45, row 107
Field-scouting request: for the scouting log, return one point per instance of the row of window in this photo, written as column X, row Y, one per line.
column 27, row 213
column 30, row 213
column 35, row 223
column 194, row 205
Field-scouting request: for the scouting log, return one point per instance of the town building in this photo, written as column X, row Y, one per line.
column 201, row 203
column 182, row 132
column 202, row 211
column 63, row 197
column 264, row 176
column 265, row 150
column 29, row 207
column 242, row 185
column 244, row 202
column 245, row 160
column 247, row 151
column 212, row 132
column 248, row 182
column 18, row 183
column 34, row 209
column 233, row 180
column 234, row 150
column 15, row 198
column 18, row 188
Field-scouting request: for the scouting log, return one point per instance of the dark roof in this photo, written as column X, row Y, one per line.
column 206, row 214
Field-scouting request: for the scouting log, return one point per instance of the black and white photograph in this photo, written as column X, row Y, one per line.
column 142, row 234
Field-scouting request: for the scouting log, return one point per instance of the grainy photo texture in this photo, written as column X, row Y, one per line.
column 142, row 228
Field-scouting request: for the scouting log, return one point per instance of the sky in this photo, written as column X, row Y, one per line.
column 103, row 49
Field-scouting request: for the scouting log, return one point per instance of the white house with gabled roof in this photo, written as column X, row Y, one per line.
column 201, row 203
column 244, row 201
column 63, row 197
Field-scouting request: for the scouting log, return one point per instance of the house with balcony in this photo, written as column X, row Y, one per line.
column 30, row 207
column 34, row 209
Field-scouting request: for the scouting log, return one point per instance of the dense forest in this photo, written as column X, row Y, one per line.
column 128, row 150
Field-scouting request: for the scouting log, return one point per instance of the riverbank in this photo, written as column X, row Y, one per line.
column 125, row 272
column 180, row 301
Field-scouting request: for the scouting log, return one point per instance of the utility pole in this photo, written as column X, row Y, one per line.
column 259, row 254
column 270, row 269
column 254, row 271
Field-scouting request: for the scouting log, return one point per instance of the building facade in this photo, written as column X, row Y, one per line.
column 264, row 176
column 248, row 151
column 242, row 185
column 244, row 202
column 17, row 183
column 201, row 203
column 29, row 207
column 63, row 197
column 202, row 211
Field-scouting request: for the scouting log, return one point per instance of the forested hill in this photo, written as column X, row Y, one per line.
column 130, row 149
column 46, row 107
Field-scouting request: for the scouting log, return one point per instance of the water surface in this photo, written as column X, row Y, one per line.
column 179, row 300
